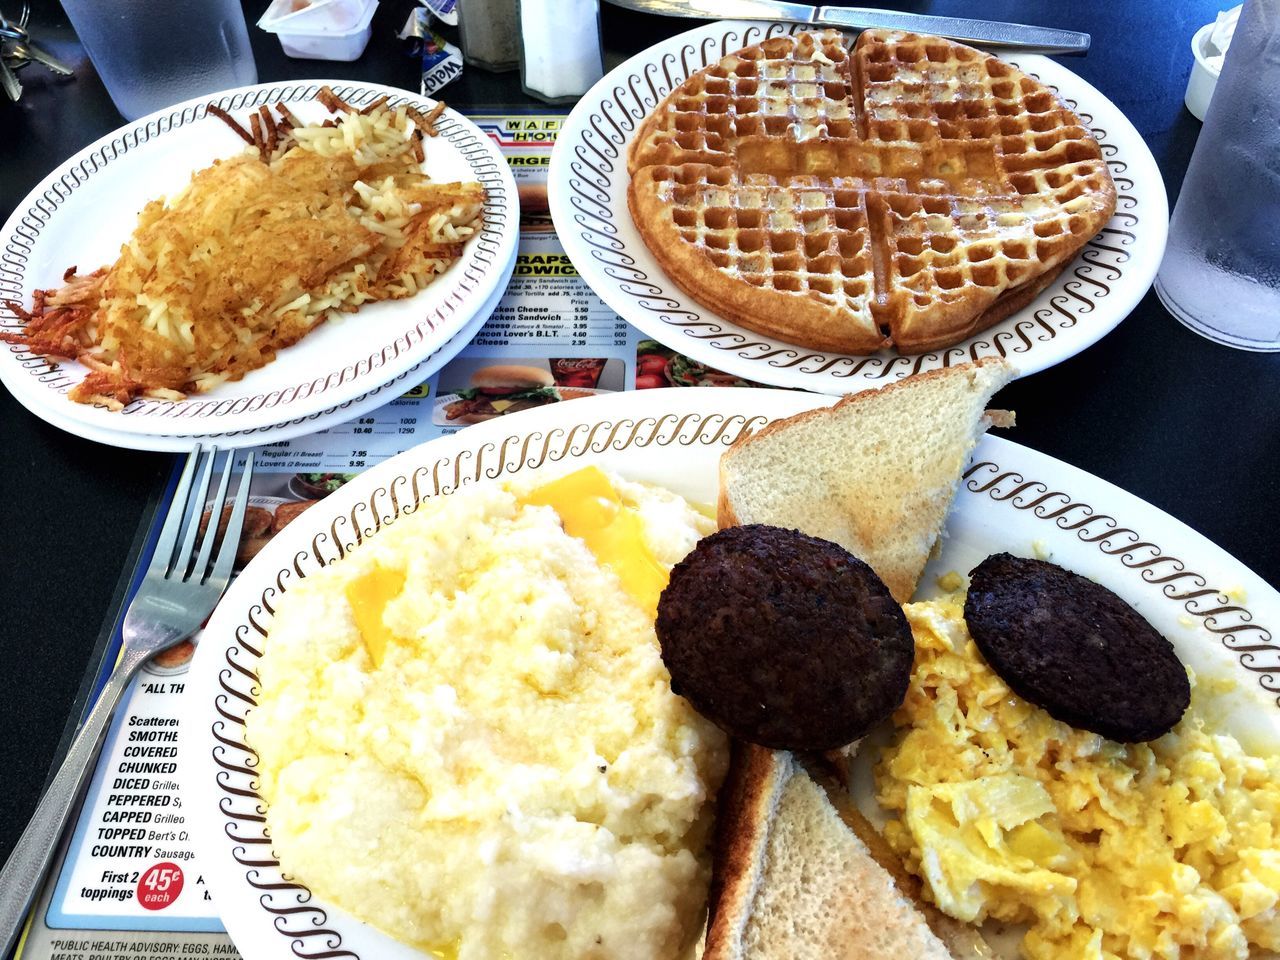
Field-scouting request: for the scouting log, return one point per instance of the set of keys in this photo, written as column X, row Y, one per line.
column 18, row 50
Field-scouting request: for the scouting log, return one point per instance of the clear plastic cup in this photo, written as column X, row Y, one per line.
column 1221, row 270
column 152, row 54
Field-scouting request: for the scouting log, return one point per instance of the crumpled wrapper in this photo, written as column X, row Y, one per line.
column 441, row 61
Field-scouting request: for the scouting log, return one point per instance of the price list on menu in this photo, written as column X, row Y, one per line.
column 548, row 305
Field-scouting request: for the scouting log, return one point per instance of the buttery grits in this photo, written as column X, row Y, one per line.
column 468, row 738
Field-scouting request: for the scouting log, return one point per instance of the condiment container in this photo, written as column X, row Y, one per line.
column 322, row 29
column 488, row 34
column 1208, row 47
column 1203, row 79
column 560, row 56
column 311, row 15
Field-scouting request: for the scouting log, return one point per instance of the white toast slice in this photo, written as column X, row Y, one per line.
column 876, row 473
column 794, row 881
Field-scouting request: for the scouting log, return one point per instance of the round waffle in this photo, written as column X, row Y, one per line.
column 910, row 194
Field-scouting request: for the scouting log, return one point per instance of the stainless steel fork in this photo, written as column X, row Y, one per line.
column 180, row 589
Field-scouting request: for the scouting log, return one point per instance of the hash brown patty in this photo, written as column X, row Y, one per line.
column 783, row 639
column 1076, row 649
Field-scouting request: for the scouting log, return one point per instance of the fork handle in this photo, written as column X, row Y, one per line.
column 30, row 859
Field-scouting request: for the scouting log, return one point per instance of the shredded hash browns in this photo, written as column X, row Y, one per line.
column 256, row 251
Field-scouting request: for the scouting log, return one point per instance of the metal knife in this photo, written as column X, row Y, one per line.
column 985, row 33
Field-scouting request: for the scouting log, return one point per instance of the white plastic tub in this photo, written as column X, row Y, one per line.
column 312, row 15
column 1208, row 48
column 324, row 30
column 1204, row 75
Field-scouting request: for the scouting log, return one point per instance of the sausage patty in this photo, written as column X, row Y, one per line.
column 783, row 639
column 1076, row 649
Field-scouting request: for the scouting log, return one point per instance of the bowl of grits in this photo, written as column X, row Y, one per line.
column 468, row 738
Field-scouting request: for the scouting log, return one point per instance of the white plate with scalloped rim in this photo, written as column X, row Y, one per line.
column 1012, row 498
column 86, row 208
column 587, row 189
column 302, row 426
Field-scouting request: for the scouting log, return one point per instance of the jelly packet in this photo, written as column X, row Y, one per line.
column 441, row 61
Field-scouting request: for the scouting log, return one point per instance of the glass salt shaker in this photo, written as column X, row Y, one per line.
column 488, row 33
column 560, row 56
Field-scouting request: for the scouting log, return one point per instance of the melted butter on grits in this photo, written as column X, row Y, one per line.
column 468, row 738
column 592, row 509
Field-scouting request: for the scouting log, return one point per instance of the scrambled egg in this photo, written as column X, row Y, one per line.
column 1163, row 850
column 468, row 738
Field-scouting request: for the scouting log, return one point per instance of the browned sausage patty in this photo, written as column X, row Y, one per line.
column 783, row 639
column 1073, row 647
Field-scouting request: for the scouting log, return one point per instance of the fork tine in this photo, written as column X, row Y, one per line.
column 201, row 565
column 194, row 513
column 231, row 540
column 163, row 555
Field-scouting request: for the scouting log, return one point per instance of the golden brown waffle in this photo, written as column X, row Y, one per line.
column 914, row 192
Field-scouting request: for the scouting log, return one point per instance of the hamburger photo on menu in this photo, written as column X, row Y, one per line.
column 494, row 390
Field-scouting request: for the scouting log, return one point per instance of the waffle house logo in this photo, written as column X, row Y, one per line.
column 526, row 142
column 544, row 265
column 512, row 133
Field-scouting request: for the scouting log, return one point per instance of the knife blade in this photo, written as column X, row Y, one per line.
column 988, row 33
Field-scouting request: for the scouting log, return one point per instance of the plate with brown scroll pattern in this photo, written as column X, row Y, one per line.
column 1220, row 616
column 298, row 427
column 588, row 198
column 83, row 211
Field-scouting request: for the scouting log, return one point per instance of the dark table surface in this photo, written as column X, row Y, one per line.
column 1186, row 424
